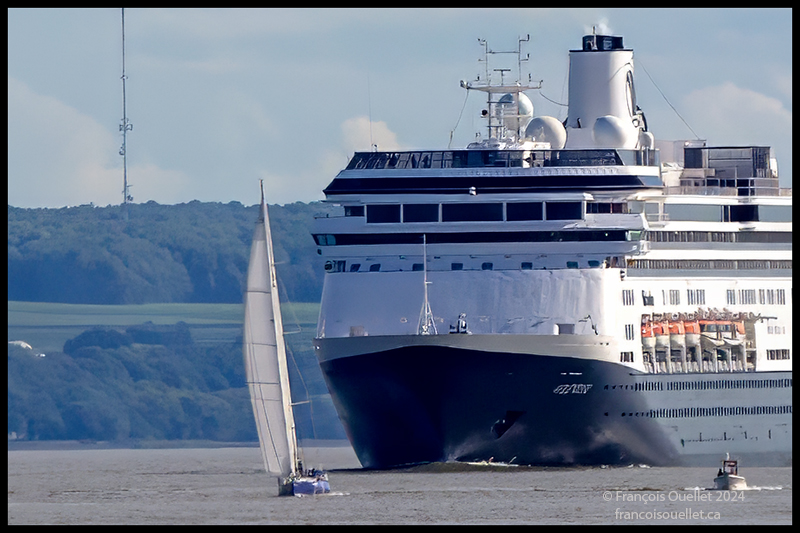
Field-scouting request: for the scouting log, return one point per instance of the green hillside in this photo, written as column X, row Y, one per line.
column 156, row 371
column 190, row 253
column 135, row 325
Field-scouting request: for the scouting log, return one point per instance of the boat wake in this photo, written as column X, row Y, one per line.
column 746, row 488
column 326, row 494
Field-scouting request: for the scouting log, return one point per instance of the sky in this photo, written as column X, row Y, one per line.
column 222, row 98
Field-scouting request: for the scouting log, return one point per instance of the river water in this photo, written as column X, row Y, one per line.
column 229, row 486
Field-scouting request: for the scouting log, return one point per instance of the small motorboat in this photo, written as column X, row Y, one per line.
column 728, row 477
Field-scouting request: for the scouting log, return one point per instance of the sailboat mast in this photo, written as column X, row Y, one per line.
column 283, row 367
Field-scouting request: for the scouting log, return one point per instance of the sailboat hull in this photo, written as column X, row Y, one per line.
column 310, row 486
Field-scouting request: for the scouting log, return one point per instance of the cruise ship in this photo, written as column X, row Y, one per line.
column 561, row 292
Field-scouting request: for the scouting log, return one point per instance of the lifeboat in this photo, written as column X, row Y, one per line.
column 735, row 344
column 648, row 335
column 692, row 328
column 709, row 334
column 661, row 331
column 709, row 342
column 677, row 333
column 677, row 342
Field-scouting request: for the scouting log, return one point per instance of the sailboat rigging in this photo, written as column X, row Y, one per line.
column 267, row 371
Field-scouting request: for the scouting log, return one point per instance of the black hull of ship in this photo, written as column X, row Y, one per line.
column 429, row 403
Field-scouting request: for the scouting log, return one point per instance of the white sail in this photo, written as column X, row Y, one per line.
column 265, row 356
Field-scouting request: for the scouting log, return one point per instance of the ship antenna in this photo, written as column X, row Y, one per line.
column 427, row 326
column 496, row 130
column 124, row 127
column 372, row 146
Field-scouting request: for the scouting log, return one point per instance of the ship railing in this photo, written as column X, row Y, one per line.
column 700, row 191
column 711, row 190
column 657, row 217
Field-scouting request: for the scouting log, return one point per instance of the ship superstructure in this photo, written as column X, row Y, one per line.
column 560, row 292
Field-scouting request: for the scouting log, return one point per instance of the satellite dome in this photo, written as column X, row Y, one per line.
column 612, row 132
column 506, row 106
column 547, row 129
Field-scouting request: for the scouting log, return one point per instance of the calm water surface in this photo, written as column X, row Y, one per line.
column 229, row 486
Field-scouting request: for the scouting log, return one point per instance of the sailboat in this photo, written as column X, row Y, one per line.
column 267, row 371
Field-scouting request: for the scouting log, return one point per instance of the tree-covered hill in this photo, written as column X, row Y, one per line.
column 150, row 382
column 194, row 252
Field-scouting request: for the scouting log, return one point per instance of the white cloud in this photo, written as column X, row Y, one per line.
column 306, row 183
column 299, row 187
column 58, row 156
column 359, row 134
column 737, row 116
column 783, row 83
column 739, row 113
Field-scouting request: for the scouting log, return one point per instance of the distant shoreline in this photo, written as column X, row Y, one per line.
column 31, row 445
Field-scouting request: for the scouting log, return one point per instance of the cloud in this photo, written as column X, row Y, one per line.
column 58, row 156
column 732, row 115
column 783, row 84
column 359, row 134
column 306, row 184
column 738, row 111
column 299, row 187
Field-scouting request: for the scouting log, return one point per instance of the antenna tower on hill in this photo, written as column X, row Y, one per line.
column 124, row 127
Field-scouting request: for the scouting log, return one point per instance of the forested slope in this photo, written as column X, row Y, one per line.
column 194, row 252
column 151, row 382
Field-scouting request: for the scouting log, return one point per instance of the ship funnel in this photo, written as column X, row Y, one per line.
column 602, row 99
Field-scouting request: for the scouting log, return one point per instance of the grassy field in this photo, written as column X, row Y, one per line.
column 46, row 326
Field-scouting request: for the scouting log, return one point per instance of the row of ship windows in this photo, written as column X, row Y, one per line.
column 719, row 236
column 532, row 211
column 778, row 355
column 748, row 296
column 498, row 158
column 730, row 384
column 715, row 264
column 698, row 297
column 479, row 212
column 694, row 412
column 715, row 384
column 341, row 265
column 711, row 264
column 671, row 297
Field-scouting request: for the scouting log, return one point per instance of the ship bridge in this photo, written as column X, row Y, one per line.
column 496, row 171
